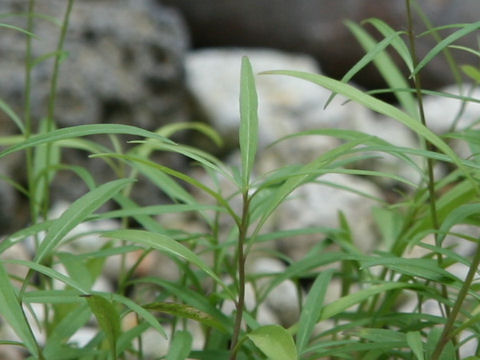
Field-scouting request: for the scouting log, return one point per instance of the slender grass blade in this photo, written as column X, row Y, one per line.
column 312, row 309
column 165, row 244
column 12, row 312
column 108, row 319
column 248, row 120
column 181, row 346
column 76, row 213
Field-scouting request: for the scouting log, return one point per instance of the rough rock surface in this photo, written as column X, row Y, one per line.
column 124, row 65
column 316, row 27
column 124, row 62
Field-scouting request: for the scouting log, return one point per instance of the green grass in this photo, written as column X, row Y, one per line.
column 363, row 323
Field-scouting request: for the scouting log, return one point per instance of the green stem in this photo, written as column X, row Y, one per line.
column 447, row 333
column 51, row 100
column 240, row 305
column 27, row 114
column 28, row 130
column 429, row 147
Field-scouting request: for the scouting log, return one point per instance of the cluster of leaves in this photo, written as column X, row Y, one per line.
column 363, row 323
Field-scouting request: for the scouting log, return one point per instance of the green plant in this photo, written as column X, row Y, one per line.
column 364, row 322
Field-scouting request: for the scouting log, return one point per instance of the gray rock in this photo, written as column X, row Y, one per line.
column 286, row 105
column 124, row 65
column 315, row 27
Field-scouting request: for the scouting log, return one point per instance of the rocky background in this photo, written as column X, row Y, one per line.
column 315, row 27
column 149, row 63
column 140, row 63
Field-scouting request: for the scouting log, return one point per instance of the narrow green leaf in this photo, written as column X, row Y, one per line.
column 147, row 222
column 162, row 180
column 347, row 301
column 52, row 20
column 472, row 72
column 387, row 349
column 62, row 54
column 144, row 163
column 12, row 312
column 275, row 342
column 371, row 54
column 381, row 335
column 389, row 223
column 108, row 319
column 79, row 131
column 170, row 129
column 210, row 354
column 52, row 296
column 424, row 268
column 248, row 135
column 308, row 173
column 76, row 268
column 352, row 135
column 385, row 65
column 51, row 273
column 12, row 115
column 312, row 309
column 44, row 160
column 198, row 155
column 465, row 48
column 398, row 43
column 157, row 210
column 382, row 108
column 190, row 297
column 457, row 216
column 76, row 213
column 23, row 234
column 185, row 311
column 73, row 321
column 166, row 244
column 465, row 30
column 137, row 309
column 181, row 346
column 126, row 339
column 414, row 340
column 312, row 260
column 23, row 31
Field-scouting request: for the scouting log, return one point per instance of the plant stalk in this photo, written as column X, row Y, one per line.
column 429, row 147
column 51, row 101
column 240, row 305
column 27, row 114
column 446, row 335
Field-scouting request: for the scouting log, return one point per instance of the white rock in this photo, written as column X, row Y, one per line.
column 154, row 344
column 286, row 105
column 318, row 205
column 83, row 336
column 441, row 111
column 283, row 300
